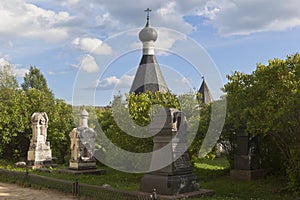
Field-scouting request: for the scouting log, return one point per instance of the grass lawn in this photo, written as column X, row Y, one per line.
column 213, row 174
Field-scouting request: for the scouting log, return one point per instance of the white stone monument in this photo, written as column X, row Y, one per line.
column 82, row 145
column 39, row 153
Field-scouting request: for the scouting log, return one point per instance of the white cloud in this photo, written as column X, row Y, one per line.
column 19, row 18
column 185, row 80
column 3, row 62
column 166, row 40
column 169, row 15
column 88, row 64
column 18, row 72
column 70, row 3
column 92, row 45
column 169, row 9
column 114, row 82
column 112, row 17
column 234, row 17
column 106, row 20
column 52, row 73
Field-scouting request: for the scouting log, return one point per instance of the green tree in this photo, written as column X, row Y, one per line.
column 7, row 79
column 60, row 126
column 136, row 112
column 12, row 121
column 41, row 99
column 266, row 103
column 35, row 79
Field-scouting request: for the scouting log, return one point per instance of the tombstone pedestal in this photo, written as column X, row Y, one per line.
column 177, row 177
column 247, row 161
column 39, row 153
column 82, row 165
column 170, row 185
column 82, row 148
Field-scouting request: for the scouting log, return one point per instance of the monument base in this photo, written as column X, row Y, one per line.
column 169, row 184
column 39, row 164
column 247, row 174
column 82, row 165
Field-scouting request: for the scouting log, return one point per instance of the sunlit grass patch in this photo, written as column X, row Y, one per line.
column 212, row 164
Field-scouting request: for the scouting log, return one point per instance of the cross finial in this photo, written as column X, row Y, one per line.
column 148, row 15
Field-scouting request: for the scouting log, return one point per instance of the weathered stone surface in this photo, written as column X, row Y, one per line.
column 82, row 145
column 20, row 164
column 39, row 153
column 170, row 185
column 247, row 160
column 176, row 177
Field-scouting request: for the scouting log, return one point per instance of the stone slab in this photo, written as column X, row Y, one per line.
column 247, row 174
column 82, row 165
column 84, row 171
column 169, row 185
column 247, row 162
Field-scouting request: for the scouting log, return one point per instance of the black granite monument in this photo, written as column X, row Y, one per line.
column 247, row 160
column 177, row 177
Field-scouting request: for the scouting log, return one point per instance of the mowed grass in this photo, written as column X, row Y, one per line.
column 212, row 173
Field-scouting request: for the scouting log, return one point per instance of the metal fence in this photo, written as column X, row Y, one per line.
column 77, row 189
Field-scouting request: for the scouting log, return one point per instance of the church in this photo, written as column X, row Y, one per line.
column 149, row 77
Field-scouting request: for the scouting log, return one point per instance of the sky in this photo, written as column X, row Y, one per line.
column 89, row 50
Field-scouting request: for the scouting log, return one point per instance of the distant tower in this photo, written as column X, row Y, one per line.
column 206, row 96
column 148, row 76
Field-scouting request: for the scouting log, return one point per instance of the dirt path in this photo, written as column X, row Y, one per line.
column 15, row 192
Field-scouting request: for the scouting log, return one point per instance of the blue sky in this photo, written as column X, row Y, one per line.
column 89, row 50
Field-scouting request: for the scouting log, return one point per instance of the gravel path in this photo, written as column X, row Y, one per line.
column 16, row 192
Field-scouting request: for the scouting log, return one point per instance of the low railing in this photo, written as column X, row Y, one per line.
column 73, row 187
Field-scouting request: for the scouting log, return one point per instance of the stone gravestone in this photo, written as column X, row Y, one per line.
column 82, row 145
column 39, row 153
column 247, row 160
column 177, row 177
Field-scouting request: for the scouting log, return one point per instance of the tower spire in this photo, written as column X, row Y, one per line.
column 148, row 10
column 148, row 76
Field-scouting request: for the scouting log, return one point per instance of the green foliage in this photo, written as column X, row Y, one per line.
column 116, row 122
column 142, row 106
column 266, row 103
column 134, row 114
column 35, row 79
column 11, row 121
column 61, row 123
column 17, row 106
column 7, row 79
